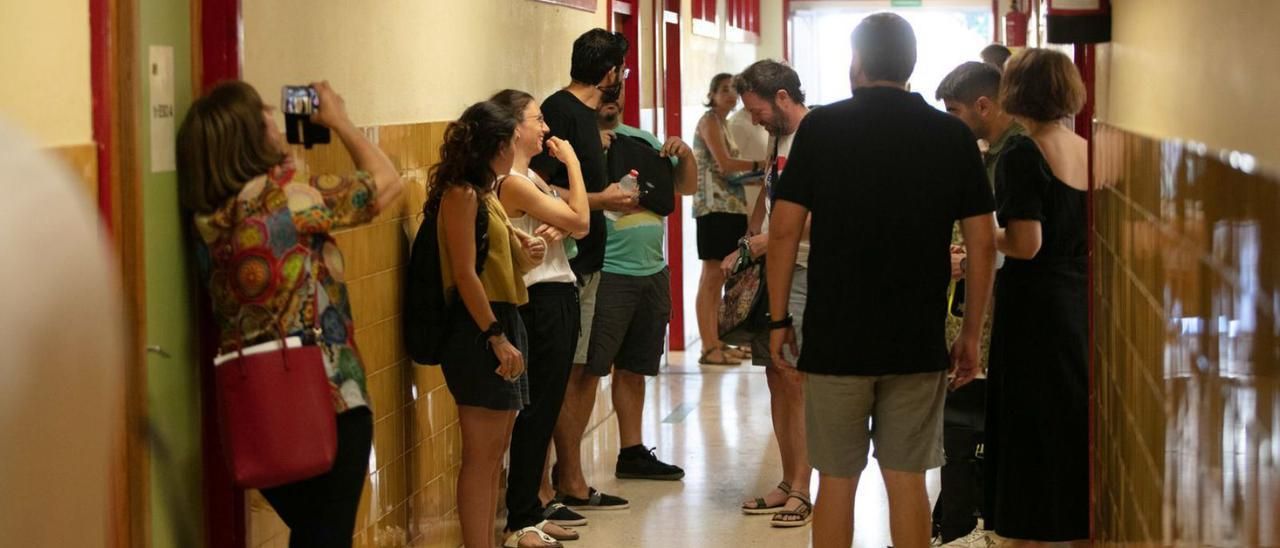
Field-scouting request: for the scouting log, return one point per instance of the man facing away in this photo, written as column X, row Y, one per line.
column 885, row 176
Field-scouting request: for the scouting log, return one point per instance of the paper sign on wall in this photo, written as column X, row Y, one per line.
column 162, row 113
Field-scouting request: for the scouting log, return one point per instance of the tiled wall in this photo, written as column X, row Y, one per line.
column 1187, row 349
column 410, row 496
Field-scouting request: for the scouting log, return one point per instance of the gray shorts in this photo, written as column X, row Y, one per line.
column 905, row 413
column 587, row 289
column 799, row 295
column 629, row 329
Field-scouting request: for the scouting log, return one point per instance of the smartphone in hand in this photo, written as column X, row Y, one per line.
column 298, row 103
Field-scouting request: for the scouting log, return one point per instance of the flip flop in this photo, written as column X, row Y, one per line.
column 513, row 540
column 570, row 535
column 762, row 508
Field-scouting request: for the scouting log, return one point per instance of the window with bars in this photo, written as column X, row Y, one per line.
column 743, row 15
column 705, row 10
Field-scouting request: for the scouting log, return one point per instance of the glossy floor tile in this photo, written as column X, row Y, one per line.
column 714, row 422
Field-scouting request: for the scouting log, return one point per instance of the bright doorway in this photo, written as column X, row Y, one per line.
column 947, row 34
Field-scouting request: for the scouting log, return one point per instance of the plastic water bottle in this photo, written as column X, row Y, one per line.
column 629, row 184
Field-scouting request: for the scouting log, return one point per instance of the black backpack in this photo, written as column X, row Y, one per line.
column 657, row 176
column 426, row 311
column 964, row 427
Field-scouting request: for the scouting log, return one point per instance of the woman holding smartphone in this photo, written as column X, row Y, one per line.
column 271, row 265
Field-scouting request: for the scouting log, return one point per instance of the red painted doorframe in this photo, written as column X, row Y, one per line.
column 101, row 76
column 1085, row 57
column 675, row 221
column 217, row 49
column 628, row 13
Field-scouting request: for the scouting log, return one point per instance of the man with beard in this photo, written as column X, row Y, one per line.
column 771, row 94
column 628, row 332
column 597, row 67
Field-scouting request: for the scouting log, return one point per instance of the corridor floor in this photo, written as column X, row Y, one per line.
column 714, row 422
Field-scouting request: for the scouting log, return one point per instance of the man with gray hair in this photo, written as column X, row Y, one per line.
column 882, row 176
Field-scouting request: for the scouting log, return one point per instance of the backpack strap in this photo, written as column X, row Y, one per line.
column 482, row 233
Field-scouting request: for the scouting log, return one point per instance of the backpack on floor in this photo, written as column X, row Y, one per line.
column 426, row 311
column 963, row 425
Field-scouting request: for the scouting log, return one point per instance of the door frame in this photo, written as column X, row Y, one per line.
column 667, row 19
column 114, row 76
column 215, row 57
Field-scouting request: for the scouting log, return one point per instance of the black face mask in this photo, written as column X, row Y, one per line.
column 611, row 93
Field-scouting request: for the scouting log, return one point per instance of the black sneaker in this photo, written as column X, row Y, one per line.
column 561, row 515
column 595, row 501
column 639, row 462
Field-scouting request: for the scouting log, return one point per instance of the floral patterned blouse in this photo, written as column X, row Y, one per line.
column 715, row 194
column 268, row 258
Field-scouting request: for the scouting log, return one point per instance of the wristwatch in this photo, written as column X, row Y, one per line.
column 494, row 330
column 779, row 324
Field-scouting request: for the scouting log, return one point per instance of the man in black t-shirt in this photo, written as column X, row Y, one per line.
column 597, row 72
column 884, row 176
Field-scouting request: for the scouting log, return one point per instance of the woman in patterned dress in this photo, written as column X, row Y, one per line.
column 267, row 256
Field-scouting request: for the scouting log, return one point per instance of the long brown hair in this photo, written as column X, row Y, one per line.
column 222, row 145
column 467, row 153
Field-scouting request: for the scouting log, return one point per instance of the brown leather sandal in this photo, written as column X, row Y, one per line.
column 724, row 360
column 799, row 517
column 762, row 507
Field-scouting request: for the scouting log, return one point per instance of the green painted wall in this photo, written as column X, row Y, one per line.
column 172, row 382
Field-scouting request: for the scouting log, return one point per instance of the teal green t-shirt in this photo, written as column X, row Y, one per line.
column 634, row 245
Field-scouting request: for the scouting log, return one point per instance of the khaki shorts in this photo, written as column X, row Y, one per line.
column 587, row 289
column 905, row 413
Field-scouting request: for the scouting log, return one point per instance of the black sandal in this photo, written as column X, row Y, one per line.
column 799, row 517
column 762, row 508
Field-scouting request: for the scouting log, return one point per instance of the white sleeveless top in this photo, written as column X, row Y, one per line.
column 555, row 266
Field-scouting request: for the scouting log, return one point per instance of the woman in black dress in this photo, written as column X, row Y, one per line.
column 1037, row 436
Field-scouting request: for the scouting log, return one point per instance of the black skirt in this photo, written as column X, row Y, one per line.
column 470, row 365
column 1037, row 426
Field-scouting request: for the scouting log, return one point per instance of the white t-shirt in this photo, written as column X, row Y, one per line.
column 784, row 150
column 555, row 266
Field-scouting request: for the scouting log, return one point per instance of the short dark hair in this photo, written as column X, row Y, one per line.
column 222, row 145
column 765, row 78
column 968, row 82
column 1043, row 85
column 595, row 53
column 715, row 84
column 886, row 45
column 995, row 55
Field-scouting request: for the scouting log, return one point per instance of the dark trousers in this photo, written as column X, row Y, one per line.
column 321, row 511
column 552, row 320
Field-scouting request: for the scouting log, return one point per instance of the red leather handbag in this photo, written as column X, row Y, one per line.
column 278, row 423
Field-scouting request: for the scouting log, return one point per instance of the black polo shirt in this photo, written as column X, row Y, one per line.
column 572, row 120
column 885, row 176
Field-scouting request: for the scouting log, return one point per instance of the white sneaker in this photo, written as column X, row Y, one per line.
column 978, row 538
